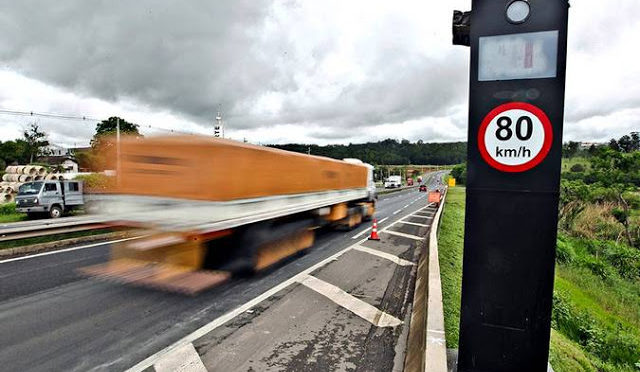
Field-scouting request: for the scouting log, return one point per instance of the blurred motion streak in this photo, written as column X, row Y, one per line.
column 218, row 208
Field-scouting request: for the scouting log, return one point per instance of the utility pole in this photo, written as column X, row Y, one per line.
column 118, row 151
column 516, row 108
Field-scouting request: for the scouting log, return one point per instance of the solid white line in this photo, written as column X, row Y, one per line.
column 67, row 250
column 362, row 309
column 415, row 224
column 414, row 237
column 367, row 229
column 393, row 258
column 184, row 359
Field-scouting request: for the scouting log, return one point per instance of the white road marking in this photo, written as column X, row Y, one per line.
column 396, row 212
column 414, row 237
column 418, row 216
column 415, row 224
column 405, row 206
column 183, row 359
column 67, row 250
column 362, row 309
column 149, row 361
column 367, row 229
column 393, row 258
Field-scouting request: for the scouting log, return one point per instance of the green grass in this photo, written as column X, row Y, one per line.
column 450, row 246
column 566, row 355
column 51, row 238
column 567, row 163
column 596, row 297
column 13, row 217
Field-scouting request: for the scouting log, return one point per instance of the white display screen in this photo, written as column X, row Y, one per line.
column 530, row 55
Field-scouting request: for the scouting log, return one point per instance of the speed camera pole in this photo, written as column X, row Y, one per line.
column 516, row 103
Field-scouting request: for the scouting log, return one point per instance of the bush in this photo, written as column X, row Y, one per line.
column 459, row 172
column 577, row 168
column 8, row 208
column 97, row 182
column 564, row 251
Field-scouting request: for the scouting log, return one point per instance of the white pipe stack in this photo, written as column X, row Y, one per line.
column 16, row 175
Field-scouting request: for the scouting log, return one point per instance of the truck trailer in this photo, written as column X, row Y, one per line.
column 214, row 208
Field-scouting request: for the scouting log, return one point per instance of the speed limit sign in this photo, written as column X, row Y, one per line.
column 515, row 137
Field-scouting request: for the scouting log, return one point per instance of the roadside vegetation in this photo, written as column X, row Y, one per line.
column 8, row 213
column 596, row 300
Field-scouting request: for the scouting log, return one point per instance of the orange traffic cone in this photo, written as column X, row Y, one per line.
column 374, row 231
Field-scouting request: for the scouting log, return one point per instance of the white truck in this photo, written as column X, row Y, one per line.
column 393, row 182
column 49, row 197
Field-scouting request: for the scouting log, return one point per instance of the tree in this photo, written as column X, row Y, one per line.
column 613, row 144
column 14, row 152
column 36, row 141
column 626, row 143
column 107, row 128
column 570, row 149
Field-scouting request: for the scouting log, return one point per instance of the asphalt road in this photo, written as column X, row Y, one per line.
column 52, row 319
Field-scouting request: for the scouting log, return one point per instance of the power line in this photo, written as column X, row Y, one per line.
column 79, row 118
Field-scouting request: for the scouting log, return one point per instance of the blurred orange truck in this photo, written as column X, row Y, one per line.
column 215, row 208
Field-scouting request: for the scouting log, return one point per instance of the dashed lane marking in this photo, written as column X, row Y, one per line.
column 398, row 211
column 362, row 309
column 393, row 258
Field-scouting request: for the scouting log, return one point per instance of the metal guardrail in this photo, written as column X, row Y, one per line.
column 38, row 228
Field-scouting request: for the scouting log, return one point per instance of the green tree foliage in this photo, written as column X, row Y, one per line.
column 389, row 152
column 14, row 152
column 107, row 128
column 36, row 141
column 459, row 172
column 570, row 149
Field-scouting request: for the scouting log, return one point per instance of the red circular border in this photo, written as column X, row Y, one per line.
column 546, row 145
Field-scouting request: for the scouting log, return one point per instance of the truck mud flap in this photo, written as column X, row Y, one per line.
column 156, row 275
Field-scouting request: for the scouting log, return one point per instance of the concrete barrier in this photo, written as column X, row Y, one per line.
column 426, row 346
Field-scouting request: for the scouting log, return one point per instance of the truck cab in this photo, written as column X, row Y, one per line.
column 393, row 182
column 51, row 197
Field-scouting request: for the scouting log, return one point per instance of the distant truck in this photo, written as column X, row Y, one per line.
column 49, row 197
column 393, row 182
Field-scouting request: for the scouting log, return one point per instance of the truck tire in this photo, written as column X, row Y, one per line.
column 55, row 212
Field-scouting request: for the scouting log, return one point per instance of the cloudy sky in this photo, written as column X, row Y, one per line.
column 287, row 71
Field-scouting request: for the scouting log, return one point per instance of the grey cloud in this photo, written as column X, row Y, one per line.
column 190, row 57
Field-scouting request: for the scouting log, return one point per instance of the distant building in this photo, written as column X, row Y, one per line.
column 60, row 156
column 69, row 166
column 55, row 150
column 586, row 145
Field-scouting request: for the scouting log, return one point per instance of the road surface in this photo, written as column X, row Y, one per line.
column 52, row 319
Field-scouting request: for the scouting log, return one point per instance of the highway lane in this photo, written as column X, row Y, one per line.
column 51, row 319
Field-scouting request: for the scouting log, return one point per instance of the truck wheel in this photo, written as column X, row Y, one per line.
column 55, row 212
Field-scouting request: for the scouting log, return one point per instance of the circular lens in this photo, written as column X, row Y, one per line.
column 518, row 11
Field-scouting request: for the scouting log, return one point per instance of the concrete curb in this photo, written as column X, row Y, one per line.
column 436, row 347
column 50, row 246
column 426, row 349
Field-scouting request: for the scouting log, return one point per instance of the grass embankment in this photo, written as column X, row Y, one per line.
column 596, row 313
